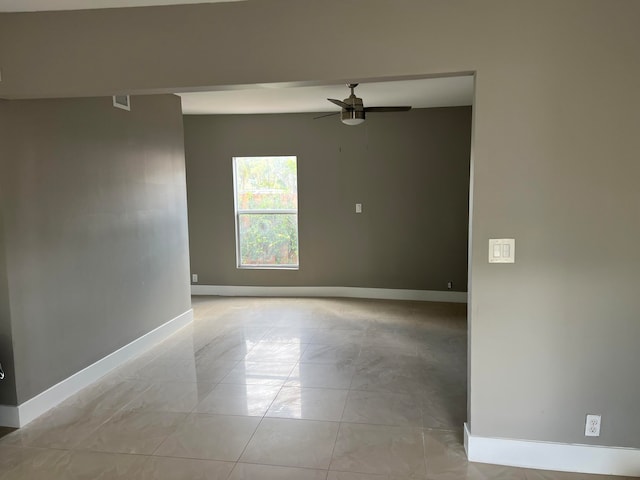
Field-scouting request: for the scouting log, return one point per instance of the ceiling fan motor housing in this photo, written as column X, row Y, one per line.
column 354, row 102
column 352, row 117
column 353, row 111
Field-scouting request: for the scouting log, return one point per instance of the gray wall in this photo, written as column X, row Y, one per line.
column 554, row 154
column 409, row 170
column 8, row 385
column 96, row 230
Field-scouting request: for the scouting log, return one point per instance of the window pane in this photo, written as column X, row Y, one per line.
column 268, row 239
column 268, row 183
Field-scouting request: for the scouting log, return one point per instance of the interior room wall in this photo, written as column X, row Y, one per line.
column 554, row 155
column 8, row 385
column 95, row 224
column 410, row 172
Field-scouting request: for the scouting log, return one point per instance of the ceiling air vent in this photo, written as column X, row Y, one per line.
column 122, row 101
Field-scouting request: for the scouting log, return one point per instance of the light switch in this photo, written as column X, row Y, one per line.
column 502, row 250
column 358, row 208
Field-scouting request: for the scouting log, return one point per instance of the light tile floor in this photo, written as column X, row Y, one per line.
column 317, row 389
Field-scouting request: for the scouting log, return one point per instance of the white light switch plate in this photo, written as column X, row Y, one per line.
column 502, row 250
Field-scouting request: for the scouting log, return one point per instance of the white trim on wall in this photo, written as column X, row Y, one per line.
column 19, row 416
column 9, row 416
column 552, row 456
column 346, row 292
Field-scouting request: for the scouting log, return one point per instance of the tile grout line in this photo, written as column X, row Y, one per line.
column 192, row 411
column 235, row 463
column 261, row 420
column 335, row 443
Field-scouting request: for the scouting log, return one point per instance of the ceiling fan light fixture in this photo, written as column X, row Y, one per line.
column 353, row 110
column 352, row 117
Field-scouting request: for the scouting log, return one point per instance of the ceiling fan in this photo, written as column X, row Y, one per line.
column 353, row 110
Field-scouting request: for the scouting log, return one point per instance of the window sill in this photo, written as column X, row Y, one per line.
column 266, row 267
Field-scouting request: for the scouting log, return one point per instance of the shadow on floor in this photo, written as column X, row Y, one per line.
column 5, row 431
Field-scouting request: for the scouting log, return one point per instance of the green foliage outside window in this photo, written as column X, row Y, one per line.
column 267, row 204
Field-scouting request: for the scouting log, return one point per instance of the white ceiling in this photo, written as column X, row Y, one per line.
column 423, row 93
column 48, row 5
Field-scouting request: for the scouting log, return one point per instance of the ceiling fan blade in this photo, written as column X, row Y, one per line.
column 327, row 115
column 386, row 109
column 340, row 103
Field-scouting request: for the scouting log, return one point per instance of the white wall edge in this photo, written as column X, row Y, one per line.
column 19, row 416
column 9, row 416
column 563, row 457
column 344, row 292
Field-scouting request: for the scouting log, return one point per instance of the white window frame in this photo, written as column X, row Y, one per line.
column 239, row 212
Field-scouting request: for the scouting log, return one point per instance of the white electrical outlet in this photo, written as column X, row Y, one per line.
column 592, row 428
column 358, row 208
column 194, row 277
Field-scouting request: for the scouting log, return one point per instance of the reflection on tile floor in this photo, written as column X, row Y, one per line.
column 318, row 389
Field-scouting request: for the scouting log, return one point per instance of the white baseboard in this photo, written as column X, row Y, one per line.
column 346, row 292
column 19, row 416
column 552, row 456
column 9, row 416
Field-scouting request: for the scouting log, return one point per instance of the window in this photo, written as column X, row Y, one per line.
column 266, row 203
